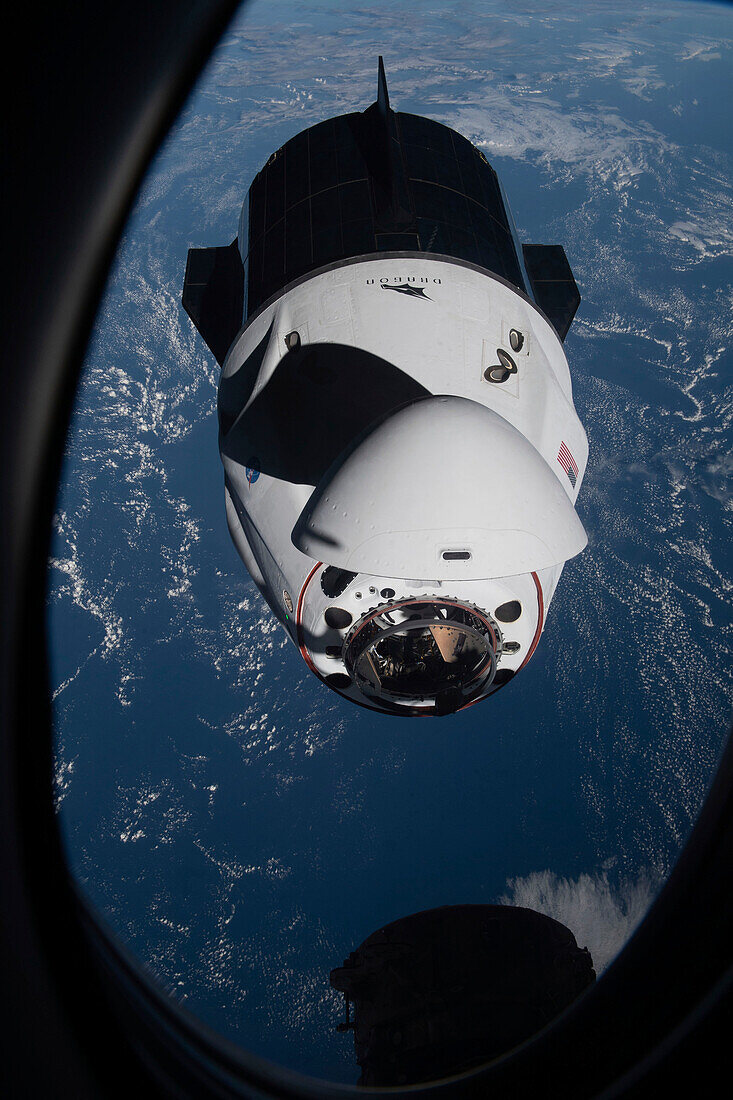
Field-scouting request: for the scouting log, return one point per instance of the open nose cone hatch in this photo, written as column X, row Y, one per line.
column 422, row 650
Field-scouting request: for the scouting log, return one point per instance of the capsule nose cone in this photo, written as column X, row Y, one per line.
column 425, row 494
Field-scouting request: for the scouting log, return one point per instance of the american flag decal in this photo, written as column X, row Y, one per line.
column 568, row 463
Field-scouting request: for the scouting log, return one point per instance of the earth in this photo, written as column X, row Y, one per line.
column 239, row 826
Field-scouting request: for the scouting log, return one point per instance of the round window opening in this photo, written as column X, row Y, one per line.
column 337, row 618
column 509, row 612
column 141, row 597
column 338, row 680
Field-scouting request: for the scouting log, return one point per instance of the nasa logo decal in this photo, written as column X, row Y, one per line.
column 252, row 470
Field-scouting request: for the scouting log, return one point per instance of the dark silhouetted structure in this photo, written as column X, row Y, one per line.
column 439, row 992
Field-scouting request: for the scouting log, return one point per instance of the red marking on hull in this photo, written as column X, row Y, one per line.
column 540, row 620
column 299, row 625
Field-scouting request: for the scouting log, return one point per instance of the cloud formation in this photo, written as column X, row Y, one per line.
column 601, row 916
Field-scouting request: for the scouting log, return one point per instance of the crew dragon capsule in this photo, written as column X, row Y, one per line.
column 400, row 446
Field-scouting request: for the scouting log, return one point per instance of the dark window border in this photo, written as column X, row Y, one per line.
column 98, row 98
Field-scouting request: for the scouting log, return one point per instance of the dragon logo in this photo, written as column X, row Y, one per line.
column 405, row 288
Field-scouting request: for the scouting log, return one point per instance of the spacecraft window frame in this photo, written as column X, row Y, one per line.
column 125, row 1032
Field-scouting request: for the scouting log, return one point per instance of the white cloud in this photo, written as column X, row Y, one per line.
column 710, row 234
column 600, row 916
column 700, row 51
column 596, row 142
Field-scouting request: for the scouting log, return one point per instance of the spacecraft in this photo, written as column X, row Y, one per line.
column 439, row 992
column 401, row 451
